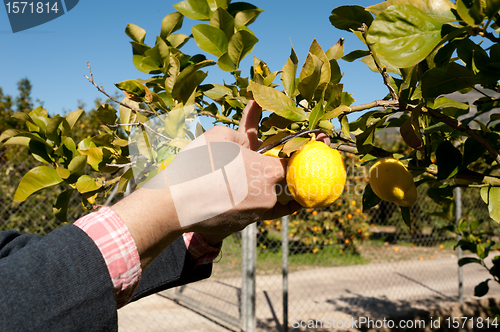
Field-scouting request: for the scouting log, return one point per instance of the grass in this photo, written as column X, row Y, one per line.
column 372, row 251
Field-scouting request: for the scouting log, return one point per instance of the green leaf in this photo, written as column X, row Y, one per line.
column 135, row 32
column 336, row 51
column 404, row 35
column 294, row 144
column 441, row 194
column 485, row 194
column 170, row 23
column 77, row 164
column 288, row 73
column 480, row 251
column 493, row 202
column 344, row 123
column 217, row 92
column 482, row 289
column 470, row 12
column 8, row 134
column 347, row 99
column 492, row 8
column 446, row 79
column 241, row 44
column 440, row 10
column 370, row 199
column 94, row 157
column 60, row 208
column 350, row 17
column 177, row 40
column 210, row 39
column 36, row 179
column 473, row 150
column 194, row 9
column 175, row 124
column 364, row 140
column 405, row 213
column 276, row 102
column 448, row 160
column 23, row 117
column 468, row 260
column 63, row 172
column 87, row 184
column 52, row 127
column 354, row 55
column 224, row 21
column 310, row 76
column 225, row 63
column 444, row 102
column 124, row 180
column 316, row 115
column 106, row 114
column 246, row 17
column 127, row 115
column 73, row 117
column 463, row 226
column 335, row 112
column 138, row 51
column 215, row 4
column 132, row 87
column 326, row 72
column 188, row 80
column 333, row 96
column 40, row 151
column 19, row 140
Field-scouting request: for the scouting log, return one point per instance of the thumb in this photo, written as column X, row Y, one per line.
column 273, row 169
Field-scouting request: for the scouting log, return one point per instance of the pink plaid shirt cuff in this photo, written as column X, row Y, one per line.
column 117, row 246
column 199, row 250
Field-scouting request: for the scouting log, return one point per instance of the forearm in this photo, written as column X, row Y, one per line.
column 151, row 220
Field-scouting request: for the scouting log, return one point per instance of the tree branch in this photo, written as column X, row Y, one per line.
column 101, row 90
column 458, row 125
column 376, row 103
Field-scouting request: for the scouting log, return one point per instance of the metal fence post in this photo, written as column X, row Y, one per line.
column 458, row 216
column 248, row 263
column 284, row 261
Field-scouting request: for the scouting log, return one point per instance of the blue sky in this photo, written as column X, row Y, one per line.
column 54, row 55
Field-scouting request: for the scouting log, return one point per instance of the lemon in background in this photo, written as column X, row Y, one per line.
column 391, row 181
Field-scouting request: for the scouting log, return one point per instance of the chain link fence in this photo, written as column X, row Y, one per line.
column 341, row 263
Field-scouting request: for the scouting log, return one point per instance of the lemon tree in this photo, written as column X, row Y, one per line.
column 440, row 62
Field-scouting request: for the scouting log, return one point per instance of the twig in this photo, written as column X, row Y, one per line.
column 120, row 165
column 376, row 152
column 383, row 70
column 458, row 125
column 220, row 117
column 142, row 124
column 101, row 90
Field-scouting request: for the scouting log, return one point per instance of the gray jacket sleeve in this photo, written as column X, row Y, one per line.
column 60, row 282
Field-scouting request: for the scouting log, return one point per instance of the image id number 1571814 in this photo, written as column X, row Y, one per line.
column 31, row 7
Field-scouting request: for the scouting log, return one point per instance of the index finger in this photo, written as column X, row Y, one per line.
column 249, row 123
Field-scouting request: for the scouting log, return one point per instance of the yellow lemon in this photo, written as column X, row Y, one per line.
column 391, row 181
column 316, row 175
